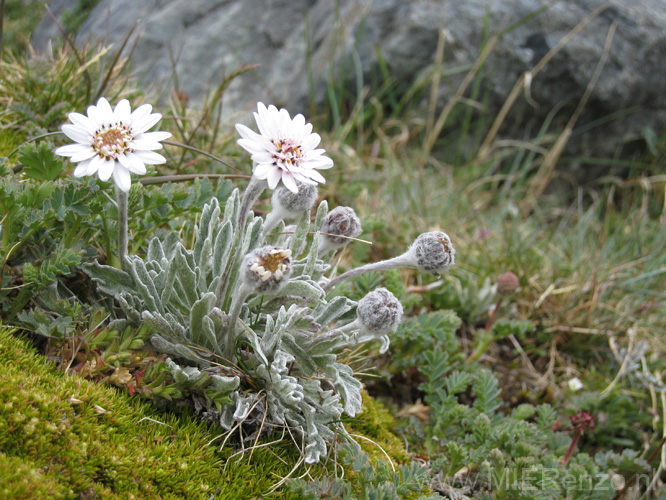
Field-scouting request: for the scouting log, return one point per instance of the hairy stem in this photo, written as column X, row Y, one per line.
column 384, row 265
column 122, row 228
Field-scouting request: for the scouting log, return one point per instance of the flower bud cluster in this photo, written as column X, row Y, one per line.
column 379, row 312
column 267, row 269
column 433, row 252
column 291, row 204
column 340, row 224
column 507, row 284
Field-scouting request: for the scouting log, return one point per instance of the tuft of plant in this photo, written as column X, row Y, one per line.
column 244, row 313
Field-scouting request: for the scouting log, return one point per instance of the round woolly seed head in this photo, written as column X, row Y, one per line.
column 340, row 224
column 380, row 312
column 266, row 269
column 507, row 284
column 433, row 252
column 295, row 203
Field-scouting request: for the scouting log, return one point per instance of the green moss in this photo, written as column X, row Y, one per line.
column 65, row 437
column 376, row 423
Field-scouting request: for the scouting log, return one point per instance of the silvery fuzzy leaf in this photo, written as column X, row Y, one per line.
column 110, row 280
column 155, row 250
column 225, row 384
column 158, row 323
column 256, row 344
column 300, row 234
column 322, row 211
column 186, row 275
column 336, row 307
column 201, row 332
column 204, row 263
column 243, row 407
column 208, row 222
column 218, row 317
column 145, row 285
column 221, row 248
column 275, row 409
column 169, row 244
column 325, row 360
column 316, row 446
column 183, row 374
column 327, row 403
column 277, row 237
column 174, row 349
column 227, row 416
column 129, row 305
column 232, row 207
column 305, row 362
column 348, row 387
column 311, row 259
column 168, row 282
column 303, row 288
column 319, row 268
column 253, row 233
column 275, row 328
column 281, row 360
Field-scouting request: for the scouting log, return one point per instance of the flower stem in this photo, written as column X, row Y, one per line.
column 384, row 265
column 571, row 449
column 122, row 228
column 252, row 193
column 232, row 318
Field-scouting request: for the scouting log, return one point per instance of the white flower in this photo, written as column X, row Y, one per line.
column 284, row 150
column 113, row 141
column 575, row 384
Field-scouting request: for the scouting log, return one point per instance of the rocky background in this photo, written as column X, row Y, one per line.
column 303, row 45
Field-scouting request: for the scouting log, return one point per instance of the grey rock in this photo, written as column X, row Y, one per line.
column 301, row 45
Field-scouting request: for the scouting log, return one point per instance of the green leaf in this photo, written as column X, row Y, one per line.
column 40, row 162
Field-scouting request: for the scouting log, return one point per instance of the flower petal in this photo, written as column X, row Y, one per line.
column 106, row 169
column 104, row 107
column 133, row 163
column 72, row 149
column 84, row 154
column 82, row 169
column 311, row 141
column 289, row 182
column 77, row 134
column 95, row 163
column 121, row 177
column 140, row 126
column 150, row 157
column 82, row 121
column 156, row 136
column 274, row 176
column 123, row 112
column 145, row 145
column 261, row 170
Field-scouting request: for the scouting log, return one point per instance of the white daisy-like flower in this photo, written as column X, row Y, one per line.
column 575, row 384
column 284, row 150
column 113, row 141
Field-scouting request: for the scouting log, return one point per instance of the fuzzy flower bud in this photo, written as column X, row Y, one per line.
column 379, row 312
column 432, row 252
column 266, row 269
column 339, row 225
column 507, row 284
column 293, row 204
column 289, row 205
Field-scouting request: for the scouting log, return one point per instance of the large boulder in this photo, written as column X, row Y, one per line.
column 301, row 45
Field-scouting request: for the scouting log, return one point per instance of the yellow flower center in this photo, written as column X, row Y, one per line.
column 287, row 153
column 112, row 140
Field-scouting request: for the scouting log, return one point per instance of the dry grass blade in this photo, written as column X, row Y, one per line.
column 545, row 173
column 528, row 77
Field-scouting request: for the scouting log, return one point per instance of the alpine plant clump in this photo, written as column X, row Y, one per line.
column 244, row 314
